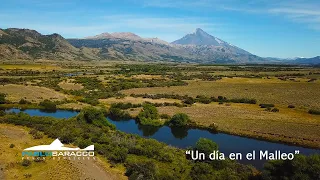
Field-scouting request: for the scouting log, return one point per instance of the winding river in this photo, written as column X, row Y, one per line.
column 183, row 138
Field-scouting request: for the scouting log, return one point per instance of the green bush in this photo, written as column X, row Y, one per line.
column 314, row 111
column 266, row 105
column 206, row 146
column 291, row 106
column 94, row 116
column 117, row 113
column 301, row 167
column 48, row 105
column 26, row 162
column 179, row 119
column 2, row 98
column 149, row 115
column 12, row 145
column 2, row 112
column 23, row 101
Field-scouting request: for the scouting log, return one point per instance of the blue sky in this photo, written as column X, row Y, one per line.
column 273, row 28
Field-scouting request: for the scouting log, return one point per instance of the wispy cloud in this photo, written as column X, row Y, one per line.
column 300, row 11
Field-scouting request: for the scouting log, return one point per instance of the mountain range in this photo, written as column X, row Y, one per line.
column 196, row 47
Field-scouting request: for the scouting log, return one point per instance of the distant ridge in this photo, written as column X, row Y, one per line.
column 198, row 47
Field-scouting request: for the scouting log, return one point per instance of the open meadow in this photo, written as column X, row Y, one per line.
column 228, row 96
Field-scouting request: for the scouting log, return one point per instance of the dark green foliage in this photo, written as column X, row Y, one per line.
column 23, row 101
column 314, row 111
column 200, row 98
column 2, row 98
column 141, row 170
column 117, row 113
column 272, row 109
column 12, row 145
column 206, row 146
column 94, row 116
column 149, row 115
column 91, row 101
column 48, row 105
column 189, row 100
column 2, row 112
column 26, row 162
column 266, row 105
column 301, row 167
column 179, row 120
column 291, row 106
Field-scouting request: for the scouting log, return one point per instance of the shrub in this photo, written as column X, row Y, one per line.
column 213, row 128
column 26, row 162
column 266, row 105
column 94, row 116
column 12, row 145
column 2, row 98
column 314, row 111
column 291, row 106
column 188, row 100
column 179, row 119
column 48, row 105
column 117, row 113
column 149, row 115
column 2, row 112
column 275, row 110
column 206, row 146
column 23, row 101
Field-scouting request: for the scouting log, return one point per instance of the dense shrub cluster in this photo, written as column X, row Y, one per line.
column 179, row 120
column 48, row 105
column 149, row 116
column 146, row 158
column 314, row 111
column 200, row 98
column 2, row 98
column 266, row 105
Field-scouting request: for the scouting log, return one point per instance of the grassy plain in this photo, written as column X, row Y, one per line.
column 260, row 83
column 31, row 93
column 300, row 94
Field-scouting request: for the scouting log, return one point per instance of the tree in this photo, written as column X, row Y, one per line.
column 149, row 115
column 48, row 105
column 206, row 146
column 179, row 119
column 301, row 167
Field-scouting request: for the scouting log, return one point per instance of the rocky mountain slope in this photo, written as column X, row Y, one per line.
column 197, row 47
column 29, row 44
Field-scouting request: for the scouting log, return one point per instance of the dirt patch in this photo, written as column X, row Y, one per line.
column 31, row 93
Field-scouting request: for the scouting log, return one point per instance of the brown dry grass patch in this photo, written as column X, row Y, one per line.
column 300, row 94
column 31, row 93
column 287, row 125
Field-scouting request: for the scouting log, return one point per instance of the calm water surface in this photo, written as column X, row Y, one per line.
column 182, row 137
